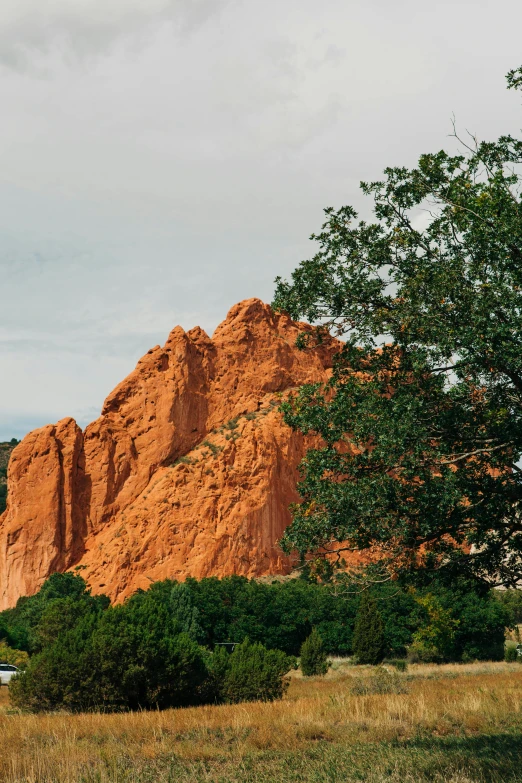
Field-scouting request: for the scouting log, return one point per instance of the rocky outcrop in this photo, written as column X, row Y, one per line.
column 188, row 471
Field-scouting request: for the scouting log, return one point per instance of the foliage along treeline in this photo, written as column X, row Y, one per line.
column 161, row 647
column 145, row 653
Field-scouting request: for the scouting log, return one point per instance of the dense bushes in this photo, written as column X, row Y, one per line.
column 113, row 670
column 477, row 618
column 110, row 665
column 512, row 601
column 280, row 615
column 141, row 655
column 313, row 656
column 159, row 648
column 434, row 641
column 252, row 673
column 18, row 658
column 58, row 606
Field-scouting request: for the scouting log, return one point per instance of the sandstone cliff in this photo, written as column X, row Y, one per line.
column 188, row 471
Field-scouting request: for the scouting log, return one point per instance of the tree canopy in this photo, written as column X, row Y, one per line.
column 281, row 615
column 421, row 421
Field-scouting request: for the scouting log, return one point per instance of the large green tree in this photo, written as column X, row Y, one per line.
column 422, row 419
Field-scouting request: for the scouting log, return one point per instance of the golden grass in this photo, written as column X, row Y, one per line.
column 225, row 743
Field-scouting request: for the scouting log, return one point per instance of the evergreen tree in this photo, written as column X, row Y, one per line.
column 255, row 674
column 368, row 635
column 313, row 656
column 185, row 613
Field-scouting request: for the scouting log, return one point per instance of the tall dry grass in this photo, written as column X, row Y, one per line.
column 319, row 723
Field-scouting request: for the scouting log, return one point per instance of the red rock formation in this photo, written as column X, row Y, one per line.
column 188, row 471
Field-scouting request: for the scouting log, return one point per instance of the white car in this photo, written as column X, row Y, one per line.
column 6, row 672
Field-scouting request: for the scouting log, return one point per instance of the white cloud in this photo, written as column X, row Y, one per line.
column 160, row 159
column 81, row 28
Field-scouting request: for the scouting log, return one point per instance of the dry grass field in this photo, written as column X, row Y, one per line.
column 443, row 724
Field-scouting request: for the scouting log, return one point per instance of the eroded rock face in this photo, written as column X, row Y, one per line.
column 41, row 530
column 188, row 471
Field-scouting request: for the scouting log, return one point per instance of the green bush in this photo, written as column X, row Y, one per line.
column 130, row 657
column 482, row 620
column 368, row 635
column 18, row 658
column 253, row 673
column 59, row 676
column 512, row 601
column 434, row 641
column 420, row 652
column 381, row 683
column 154, row 650
column 458, row 622
column 313, row 656
column 133, row 658
column 511, row 654
column 60, row 603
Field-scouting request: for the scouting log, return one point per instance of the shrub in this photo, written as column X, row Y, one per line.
column 368, row 635
column 130, row 657
column 213, row 448
column 512, row 601
column 146, row 653
column 61, row 675
column 482, row 619
column 182, row 461
column 58, row 605
column 420, row 652
column 253, row 673
column 381, row 683
column 398, row 663
column 313, row 656
column 511, row 654
column 17, row 658
column 434, row 641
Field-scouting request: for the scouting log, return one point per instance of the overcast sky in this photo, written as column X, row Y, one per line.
column 162, row 159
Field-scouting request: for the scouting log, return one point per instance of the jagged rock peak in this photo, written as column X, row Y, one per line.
column 189, row 470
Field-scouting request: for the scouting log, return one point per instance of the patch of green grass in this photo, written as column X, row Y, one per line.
column 182, row 461
column 213, row 448
column 435, row 730
column 483, row 759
